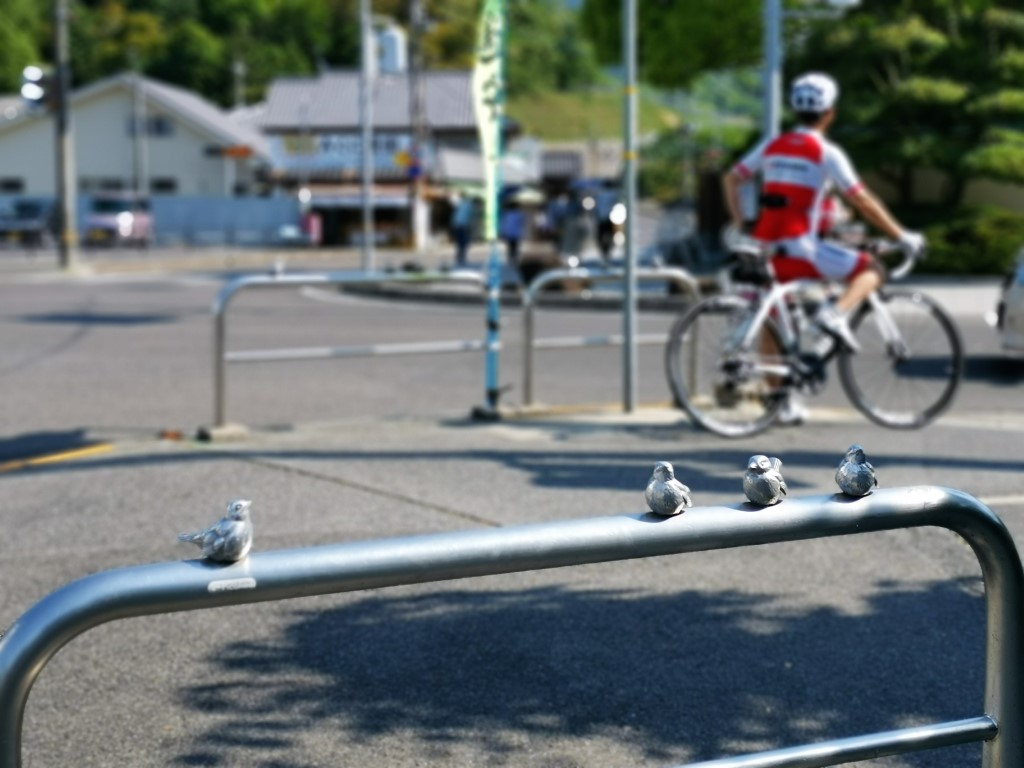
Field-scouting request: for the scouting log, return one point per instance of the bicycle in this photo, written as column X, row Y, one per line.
column 733, row 359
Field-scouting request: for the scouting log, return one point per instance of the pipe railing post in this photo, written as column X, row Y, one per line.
column 299, row 280
column 676, row 275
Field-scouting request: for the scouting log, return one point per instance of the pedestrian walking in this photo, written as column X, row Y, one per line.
column 511, row 231
column 462, row 226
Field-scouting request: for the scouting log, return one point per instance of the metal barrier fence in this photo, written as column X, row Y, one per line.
column 191, row 585
column 679, row 277
column 221, row 357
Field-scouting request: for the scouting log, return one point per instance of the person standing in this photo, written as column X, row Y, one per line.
column 511, row 231
column 462, row 226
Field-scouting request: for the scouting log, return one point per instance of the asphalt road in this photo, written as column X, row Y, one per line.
column 657, row 662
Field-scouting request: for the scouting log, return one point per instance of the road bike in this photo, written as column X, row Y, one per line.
column 733, row 359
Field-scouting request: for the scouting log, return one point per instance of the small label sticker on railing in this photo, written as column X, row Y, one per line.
column 230, row 585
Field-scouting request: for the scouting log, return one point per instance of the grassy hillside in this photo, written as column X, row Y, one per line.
column 554, row 116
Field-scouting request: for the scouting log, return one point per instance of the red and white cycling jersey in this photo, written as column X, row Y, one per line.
column 797, row 171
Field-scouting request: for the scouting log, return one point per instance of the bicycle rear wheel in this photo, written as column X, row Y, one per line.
column 733, row 393
column 906, row 382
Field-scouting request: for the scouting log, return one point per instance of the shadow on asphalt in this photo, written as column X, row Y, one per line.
column 675, row 676
column 709, row 470
column 101, row 318
column 995, row 369
column 34, row 444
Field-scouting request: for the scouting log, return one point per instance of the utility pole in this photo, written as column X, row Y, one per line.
column 416, row 121
column 771, row 75
column 140, row 135
column 629, row 300
column 67, row 240
column 366, row 86
column 239, row 71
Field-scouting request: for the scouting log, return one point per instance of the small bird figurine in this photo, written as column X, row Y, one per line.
column 855, row 475
column 762, row 482
column 665, row 495
column 229, row 539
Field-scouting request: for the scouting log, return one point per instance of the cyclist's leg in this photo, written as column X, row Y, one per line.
column 793, row 411
column 860, row 273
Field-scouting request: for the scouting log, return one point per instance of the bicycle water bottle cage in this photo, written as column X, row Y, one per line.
column 749, row 268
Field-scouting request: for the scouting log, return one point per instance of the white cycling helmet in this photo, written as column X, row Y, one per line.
column 814, row 92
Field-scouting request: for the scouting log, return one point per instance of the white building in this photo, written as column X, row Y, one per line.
column 189, row 146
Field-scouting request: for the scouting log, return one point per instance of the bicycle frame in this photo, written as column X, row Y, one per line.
column 775, row 302
column 887, row 327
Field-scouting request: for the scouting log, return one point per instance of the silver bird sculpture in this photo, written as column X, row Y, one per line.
column 665, row 495
column 855, row 476
column 762, row 482
column 229, row 539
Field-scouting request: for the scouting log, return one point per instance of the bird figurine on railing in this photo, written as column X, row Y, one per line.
column 665, row 495
column 855, row 476
column 762, row 482
column 229, row 539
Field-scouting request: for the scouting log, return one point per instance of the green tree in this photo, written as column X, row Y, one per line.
column 545, row 48
column 932, row 83
column 195, row 58
column 19, row 35
column 678, row 39
column 108, row 38
column 197, row 43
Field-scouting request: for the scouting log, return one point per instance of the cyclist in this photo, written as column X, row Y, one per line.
column 798, row 170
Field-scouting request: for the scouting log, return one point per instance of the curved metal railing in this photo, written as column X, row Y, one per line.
column 284, row 280
column 192, row 585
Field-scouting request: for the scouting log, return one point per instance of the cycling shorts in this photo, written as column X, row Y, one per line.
column 830, row 261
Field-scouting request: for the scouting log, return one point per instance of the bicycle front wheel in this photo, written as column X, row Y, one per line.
column 907, row 370
column 731, row 390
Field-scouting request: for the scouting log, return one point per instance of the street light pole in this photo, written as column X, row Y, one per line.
column 366, row 81
column 67, row 240
column 772, row 72
column 416, row 123
column 629, row 361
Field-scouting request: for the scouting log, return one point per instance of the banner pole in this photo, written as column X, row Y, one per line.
column 489, row 104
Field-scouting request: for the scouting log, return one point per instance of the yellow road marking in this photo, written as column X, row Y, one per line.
column 53, row 458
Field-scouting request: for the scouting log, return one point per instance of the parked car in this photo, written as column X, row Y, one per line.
column 115, row 220
column 1008, row 318
column 30, row 223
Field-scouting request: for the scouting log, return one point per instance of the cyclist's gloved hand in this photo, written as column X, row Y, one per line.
column 731, row 234
column 737, row 242
column 912, row 243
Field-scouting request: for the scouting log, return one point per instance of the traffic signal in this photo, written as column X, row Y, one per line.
column 37, row 87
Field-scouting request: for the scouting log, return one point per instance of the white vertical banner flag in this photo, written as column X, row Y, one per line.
column 489, row 103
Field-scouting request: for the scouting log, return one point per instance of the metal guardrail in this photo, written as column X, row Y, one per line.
column 191, row 585
column 680, row 277
column 221, row 357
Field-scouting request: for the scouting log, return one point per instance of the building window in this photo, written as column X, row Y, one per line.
column 156, row 125
column 161, row 126
column 163, row 186
column 12, row 185
column 89, row 184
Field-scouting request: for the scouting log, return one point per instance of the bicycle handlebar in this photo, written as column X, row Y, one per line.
column 881, row 246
